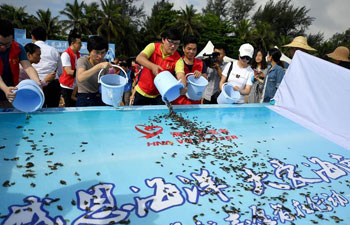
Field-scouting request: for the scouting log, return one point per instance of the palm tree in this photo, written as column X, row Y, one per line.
column 92, row 17
column 111, row 19
column 263, row 36
column 45, row 20
column 76, row 20
column 188, row 21
column 17, row 16
column 243, row 30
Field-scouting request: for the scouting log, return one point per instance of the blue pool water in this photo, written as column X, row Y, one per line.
column 135, row 166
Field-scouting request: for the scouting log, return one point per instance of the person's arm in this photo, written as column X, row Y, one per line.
column 143, row 59
column 83, row 74
column 247, row 86
column 279, row 76
column 68, row 70
column 10, row 95
column 218, row 69
column 180, row 71
column 31, row 72
column 59, row 69
column 244, row 91
column 74, row 93
column 223, row 75
column 222, row 81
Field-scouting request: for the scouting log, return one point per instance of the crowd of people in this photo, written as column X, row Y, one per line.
column 256, row 75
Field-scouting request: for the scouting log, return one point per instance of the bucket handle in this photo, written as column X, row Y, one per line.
column 187, row 75
column 126, row 75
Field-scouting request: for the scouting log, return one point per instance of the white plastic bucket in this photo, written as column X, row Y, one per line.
column 228, row 95
column 112, row 87
column 29, row 96
column 168, row 86
column 195, row 86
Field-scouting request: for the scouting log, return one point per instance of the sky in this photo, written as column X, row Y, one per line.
column 330, row 16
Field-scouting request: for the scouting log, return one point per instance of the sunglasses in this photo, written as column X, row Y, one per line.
column 246, row 58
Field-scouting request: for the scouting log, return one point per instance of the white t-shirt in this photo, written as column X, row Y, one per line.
column 66, row 62
column 239, row 77
column 50, row 61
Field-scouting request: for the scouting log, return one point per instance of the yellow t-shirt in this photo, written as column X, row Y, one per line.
column 148, row 51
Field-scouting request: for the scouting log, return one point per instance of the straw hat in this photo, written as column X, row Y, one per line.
column 300, row 42
column 341, row 53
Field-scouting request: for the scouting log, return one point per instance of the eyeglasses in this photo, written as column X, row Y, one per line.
column 245, row 57
column 172, row 42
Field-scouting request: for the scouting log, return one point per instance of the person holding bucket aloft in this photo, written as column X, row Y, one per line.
column 192, row 65
column 241, row 74
column 155, row 58
column 88, row 68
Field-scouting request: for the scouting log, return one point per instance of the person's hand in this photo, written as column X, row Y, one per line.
column 132, row 98
column 50, row 77
column 10, row 93
column 156, row 69
column 236, row 88
column 105, row 65
column 197, row 74
column 183, row 91
column 215, row 66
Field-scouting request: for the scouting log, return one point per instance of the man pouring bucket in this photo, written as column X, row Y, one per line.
column 155, row 58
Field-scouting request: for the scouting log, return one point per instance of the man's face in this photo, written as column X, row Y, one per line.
column 77, row 44
column 170, row 46
column 190, row 50
column 5, row 43
column 221, row 56
column 97, row 56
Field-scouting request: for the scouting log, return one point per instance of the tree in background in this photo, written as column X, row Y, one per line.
column 188, row 22
column 18, row 17
column 93, row 16
column 162, row 17
column 75, row 17
column 217, row 7
column 240, row 10
column 111, row 19
column 285, row 19
column 51, row 24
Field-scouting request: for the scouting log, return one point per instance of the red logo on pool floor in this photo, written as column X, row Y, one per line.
column 150, row 131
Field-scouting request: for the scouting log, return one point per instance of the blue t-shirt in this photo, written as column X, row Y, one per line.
column 6, row 72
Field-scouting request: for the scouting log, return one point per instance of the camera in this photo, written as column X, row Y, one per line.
column 210, row 59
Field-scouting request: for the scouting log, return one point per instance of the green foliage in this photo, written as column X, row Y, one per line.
column 284, row 18
column 45, row 19
column 75, row 17
column 217, row 7
column 188, row 22
column 240, row 10
column 220, row 33
column 162, row 17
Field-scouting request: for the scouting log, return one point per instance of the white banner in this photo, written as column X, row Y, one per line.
column 316, row 94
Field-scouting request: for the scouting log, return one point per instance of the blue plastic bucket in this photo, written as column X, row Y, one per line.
column 228, row 95
column 29, row 96
column 112, row 87
column 168, row 86
column 195, row 87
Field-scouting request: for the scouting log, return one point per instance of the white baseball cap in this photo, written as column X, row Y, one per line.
column 246, row 50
